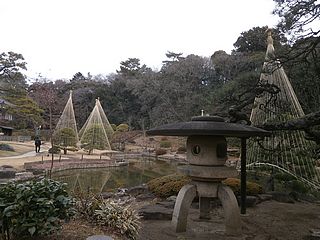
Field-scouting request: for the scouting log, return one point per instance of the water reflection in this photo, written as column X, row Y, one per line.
column 108, row 179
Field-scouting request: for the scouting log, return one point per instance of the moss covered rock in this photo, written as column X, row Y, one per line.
column 171, row 184
column 234, row 184
column 168, row 185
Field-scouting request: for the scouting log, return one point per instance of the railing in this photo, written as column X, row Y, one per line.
column 15, row 138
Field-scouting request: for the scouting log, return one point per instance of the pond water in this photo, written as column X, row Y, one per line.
column 108, row 179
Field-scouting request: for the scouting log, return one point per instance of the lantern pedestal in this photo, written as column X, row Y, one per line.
column 206, row 192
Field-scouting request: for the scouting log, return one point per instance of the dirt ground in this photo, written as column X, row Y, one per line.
column 269, row 220
column 25, row 152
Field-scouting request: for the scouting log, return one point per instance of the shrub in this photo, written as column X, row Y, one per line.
column 34, row 208
column 284, row 177
column 297, row 186
column 122, row 127
column 65, row 137
column 165, row 144
column 119, row 217
column 94, row 137
column 6, row 147
column 54, row 150
column 86, row 204
column 234, row 184
column 168, row 185
column 160, row 151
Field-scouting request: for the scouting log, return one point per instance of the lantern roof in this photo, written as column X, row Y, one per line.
column 208, row 126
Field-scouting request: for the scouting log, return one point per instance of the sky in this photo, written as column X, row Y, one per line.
column 59, row 38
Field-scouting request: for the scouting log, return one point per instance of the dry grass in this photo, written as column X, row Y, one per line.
column 77, row 229
column 19, row 148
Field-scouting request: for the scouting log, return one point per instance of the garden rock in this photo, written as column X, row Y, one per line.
column 6, row 166
column 172, row 198
column 264, row 197
column 282, row 197
column 145, row 196
column 166, row 204
column 135, row 191
column 251, row 201
column 106, row 195
column 156, row 212
column 24, row 175
column 7, row 173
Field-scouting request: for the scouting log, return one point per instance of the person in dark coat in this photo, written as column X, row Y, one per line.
column 37, row 143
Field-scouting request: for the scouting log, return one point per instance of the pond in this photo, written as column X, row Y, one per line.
column 108, row 179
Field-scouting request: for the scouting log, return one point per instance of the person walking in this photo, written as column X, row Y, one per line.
column 37, row 143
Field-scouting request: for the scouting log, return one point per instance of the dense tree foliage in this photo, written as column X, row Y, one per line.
column 254, row 40
column 300, row 21
column 65, row 139
column 11, row 65
column 13, row 88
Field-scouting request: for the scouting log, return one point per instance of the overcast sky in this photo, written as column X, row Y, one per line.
column 61, row 37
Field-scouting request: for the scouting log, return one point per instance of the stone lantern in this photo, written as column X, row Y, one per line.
column 207, row 154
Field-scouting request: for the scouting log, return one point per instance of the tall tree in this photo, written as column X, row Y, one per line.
column 180, row 90
column 13, row 87
column 11, row 77
column 254, row 40
column 45, row 94
column 130, row 67
column 300, row 21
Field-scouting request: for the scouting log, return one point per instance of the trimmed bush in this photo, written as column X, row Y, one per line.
column 234, row 184
column 122, row 127
column 54, row 150
column 168, row 185
column 94, row 138
column 165, row 144
column 6, row 147
column 34, row 208
column 160, row 151
column 65, row 137
column 297, row 186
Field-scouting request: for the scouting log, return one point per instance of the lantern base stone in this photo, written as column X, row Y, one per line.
column 207, row 191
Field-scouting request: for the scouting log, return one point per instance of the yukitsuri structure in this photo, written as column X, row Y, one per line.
column 286, row 150
column 65, row 135
column 96, row 131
